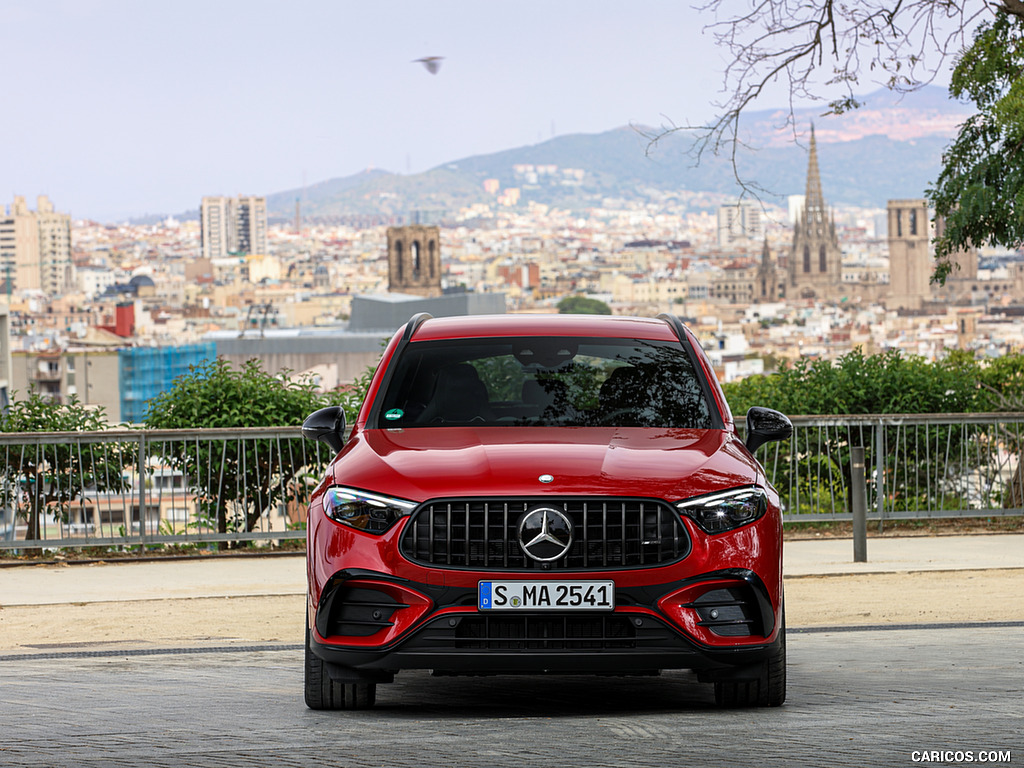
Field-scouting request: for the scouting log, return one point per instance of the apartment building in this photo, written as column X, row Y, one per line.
column 232, row 225
column 741, row 223
column 35, row 248
column 121, row 380
column 5, row 358
column 91, row 375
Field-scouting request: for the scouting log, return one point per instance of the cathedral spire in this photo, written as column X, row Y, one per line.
column 815, row 259
column 814, row 200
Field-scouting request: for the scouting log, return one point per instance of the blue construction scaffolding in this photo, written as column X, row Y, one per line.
column 148, row 371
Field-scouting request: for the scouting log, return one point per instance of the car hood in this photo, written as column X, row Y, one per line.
column 426, row 463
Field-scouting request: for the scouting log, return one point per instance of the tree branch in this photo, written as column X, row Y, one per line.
column 812, row 46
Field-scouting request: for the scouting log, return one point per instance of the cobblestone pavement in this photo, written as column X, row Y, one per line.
column 856, row 698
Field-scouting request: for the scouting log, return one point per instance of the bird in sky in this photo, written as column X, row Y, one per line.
column 432, row 63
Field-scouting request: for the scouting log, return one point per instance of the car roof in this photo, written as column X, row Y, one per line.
column 599, row 326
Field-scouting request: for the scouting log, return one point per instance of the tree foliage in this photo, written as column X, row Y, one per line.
column 888, row 383
column 582, row 305
column 857, row 383
column 46, row 479
column 214, row 394
column 236, row 483
column 980, row 189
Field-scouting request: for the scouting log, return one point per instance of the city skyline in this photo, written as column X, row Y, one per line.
column 123, row 109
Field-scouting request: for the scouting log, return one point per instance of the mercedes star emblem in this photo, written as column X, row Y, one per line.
column 545, row 534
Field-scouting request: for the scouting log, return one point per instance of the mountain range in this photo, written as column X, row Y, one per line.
column 889, row 148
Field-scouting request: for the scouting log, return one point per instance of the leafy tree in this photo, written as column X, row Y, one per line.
column 1002, row 389
column 821, row 50
column 1002, row 384
column 582, row 305
column 47, row 478
column 980, row 190
column 236, row 483
column 887, row 384
column 856, row 383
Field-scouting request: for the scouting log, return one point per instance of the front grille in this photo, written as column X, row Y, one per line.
column 535, row 633
column 483, row 534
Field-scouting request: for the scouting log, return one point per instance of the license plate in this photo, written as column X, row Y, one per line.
column 546, row 595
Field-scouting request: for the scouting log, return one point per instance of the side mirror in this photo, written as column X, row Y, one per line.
column 326, row 425
column 765, row 425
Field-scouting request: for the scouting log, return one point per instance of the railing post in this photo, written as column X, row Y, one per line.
column 143, row 496
column 859, row 501
column 880, row 473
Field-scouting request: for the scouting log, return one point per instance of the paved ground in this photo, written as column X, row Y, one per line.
column 864, row 698
column 153, row 665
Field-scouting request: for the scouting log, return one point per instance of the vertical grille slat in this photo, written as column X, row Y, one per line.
column 586, row 536
column 483, row 534
column 504, row 535
column 448, row 531
column 487, row 538
column 642, row 533
column 604, row 535
column 675, row 536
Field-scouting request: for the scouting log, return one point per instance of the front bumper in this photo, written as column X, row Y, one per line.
column 368, row 625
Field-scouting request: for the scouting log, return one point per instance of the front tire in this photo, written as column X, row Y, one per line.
column 768, row 690
column 321, row 692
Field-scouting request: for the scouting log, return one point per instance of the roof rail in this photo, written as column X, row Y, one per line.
column 414, row 323
column 675, row 324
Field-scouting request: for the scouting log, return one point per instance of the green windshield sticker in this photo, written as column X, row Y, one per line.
column 394, row 414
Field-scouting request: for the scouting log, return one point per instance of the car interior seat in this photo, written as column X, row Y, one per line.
column 459, row 396
column 548, row 398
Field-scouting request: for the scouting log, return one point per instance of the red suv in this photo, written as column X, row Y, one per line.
column 544, row 493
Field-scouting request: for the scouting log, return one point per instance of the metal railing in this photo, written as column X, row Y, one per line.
column 916, row 466
column 131, row 487
column 125, row 488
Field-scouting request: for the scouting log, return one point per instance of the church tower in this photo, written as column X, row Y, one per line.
column 414, row 260
column 768, row 288
column 910, row 260
column 815, row 260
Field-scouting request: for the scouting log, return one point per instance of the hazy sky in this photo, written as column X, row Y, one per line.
column 116, row 108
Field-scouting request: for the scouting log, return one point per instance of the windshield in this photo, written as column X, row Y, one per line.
column 545, row 381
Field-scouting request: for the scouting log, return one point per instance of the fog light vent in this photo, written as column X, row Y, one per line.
column 729, row 612
column 360, row 611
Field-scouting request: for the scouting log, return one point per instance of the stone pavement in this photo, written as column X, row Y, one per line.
column 285, row 574
column 858, row 696
column 855, row 699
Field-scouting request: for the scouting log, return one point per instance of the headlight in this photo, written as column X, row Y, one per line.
column 724, row 511
column 364, row 511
